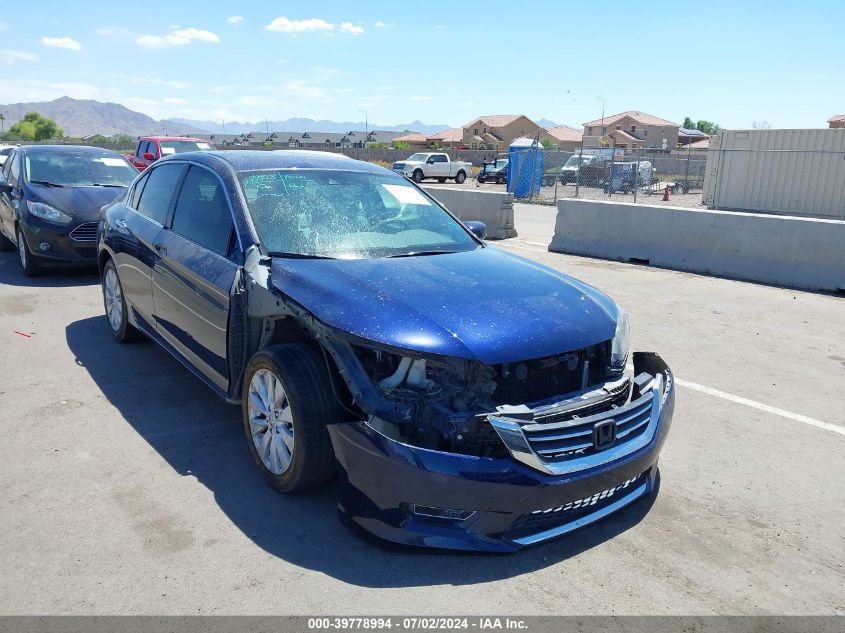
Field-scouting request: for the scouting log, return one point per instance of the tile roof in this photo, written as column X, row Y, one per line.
column 452, row 135
column 565, row 133
column 836, row 118
column 702, row 144
column 682, row 131
column 495, row 120
column 412, row 138
column 639, row 117
column 625, row 136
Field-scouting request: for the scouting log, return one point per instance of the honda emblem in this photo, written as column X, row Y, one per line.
column 604, row 434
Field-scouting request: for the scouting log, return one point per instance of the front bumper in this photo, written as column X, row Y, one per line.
column 72, row 244
column 514, row 504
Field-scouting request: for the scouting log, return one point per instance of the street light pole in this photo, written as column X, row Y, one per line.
column 366, row 126
column 602, row 112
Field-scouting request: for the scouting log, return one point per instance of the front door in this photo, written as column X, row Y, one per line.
column 194, row 275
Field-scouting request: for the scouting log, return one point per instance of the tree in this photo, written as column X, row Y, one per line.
column 689, row 124
column 548, row 143
column 708, row 127
column 35, row 127
column 401, row 145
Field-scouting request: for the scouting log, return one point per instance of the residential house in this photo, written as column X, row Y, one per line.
column 451, row 138
column 631, row 130
column 414, row 140
column 687, row 136
column 497, row 131
column 836, row 121
column 563, row 137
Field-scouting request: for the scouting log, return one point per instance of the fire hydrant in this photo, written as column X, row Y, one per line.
column 666, row 194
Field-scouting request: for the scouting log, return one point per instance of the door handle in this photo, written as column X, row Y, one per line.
column 161, row 249
column 120, row 223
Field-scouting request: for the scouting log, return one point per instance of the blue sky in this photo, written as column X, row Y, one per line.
column 724, row 61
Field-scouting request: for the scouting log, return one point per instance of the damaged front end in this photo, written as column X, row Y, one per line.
column 455, row 453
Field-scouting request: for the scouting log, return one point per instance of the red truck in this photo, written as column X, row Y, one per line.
column 151, row 148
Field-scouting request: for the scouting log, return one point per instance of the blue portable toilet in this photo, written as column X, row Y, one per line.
column 525, row 169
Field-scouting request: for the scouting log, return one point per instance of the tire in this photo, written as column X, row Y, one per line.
column 299, row 452
column 29, row 264
column 6, row 245
column 114, row 303
column 417, row 176
column 460, row 177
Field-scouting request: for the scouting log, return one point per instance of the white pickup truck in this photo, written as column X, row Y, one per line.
column 433, row 165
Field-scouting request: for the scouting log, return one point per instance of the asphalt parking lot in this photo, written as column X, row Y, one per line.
column 126, row 486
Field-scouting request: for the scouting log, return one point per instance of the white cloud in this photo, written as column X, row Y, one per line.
column 175, row 101
column 304, row 89
column 61, row 42
column 285, row 25
column 177, row 37
column 420, row 98
column 348, row 27
column 234, row 19
column 150, row 81
column 7, row 58
column 114, row 32
column 37, row 90
column 379, row 25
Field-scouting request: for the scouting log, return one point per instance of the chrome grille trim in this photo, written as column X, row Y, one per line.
column 86, row 232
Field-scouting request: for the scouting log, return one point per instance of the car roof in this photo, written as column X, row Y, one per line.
column 173, row 138
column 249, row 160
column 38, row 149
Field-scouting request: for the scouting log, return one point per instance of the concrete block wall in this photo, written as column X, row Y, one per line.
column 494, row 208
column 787, row 251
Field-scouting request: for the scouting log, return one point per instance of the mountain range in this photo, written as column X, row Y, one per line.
column 83, row 117
column 308, row 125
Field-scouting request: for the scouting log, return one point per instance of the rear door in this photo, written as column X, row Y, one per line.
column 136, row 232
column 194, row 274
column 440, row 166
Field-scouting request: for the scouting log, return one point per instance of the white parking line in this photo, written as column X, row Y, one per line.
column 761, row 407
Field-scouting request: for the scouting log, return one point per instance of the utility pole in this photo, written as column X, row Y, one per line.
column 602, row 113
column 366, row 126
column 2, row 124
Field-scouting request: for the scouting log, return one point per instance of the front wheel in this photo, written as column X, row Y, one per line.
column 418, row 176
column 288, row 400
column 29, row 265
column 460, row 177
column 6, row 245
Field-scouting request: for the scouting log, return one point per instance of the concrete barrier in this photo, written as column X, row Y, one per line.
column 494, row 208
column 787, row 251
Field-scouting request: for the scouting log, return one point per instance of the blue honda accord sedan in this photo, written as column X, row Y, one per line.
column 466, row 398
column 50, row 201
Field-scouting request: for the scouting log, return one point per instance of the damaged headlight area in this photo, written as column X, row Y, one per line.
column 442, row 403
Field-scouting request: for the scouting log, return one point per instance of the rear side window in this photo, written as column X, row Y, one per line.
column 202, row 212
column 14, row 169
column 136, row 192
column 159, row 191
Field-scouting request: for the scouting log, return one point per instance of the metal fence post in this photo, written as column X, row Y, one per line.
column 578, row 170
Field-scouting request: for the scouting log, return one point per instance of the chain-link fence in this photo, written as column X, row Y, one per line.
column 545, row 176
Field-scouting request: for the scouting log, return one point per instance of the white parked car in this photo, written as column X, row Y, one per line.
column 5, row 150
column 433, row 165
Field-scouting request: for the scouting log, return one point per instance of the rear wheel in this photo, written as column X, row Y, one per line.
column 287, row 402
column 29, row 265
column 115, row 304
column 460, row 177
column 418, row 176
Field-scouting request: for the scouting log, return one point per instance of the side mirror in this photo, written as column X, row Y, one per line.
column 149, row 156
column 5, row 186
column 479, row 229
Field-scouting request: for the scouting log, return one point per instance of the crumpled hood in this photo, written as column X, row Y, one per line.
column 485, row 304
column 82, row 203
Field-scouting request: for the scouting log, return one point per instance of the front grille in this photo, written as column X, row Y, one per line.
column 85, row 232
column 573, row 436
column 569, row 513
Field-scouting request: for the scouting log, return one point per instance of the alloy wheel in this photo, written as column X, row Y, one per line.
column 271, row 421
column 114, row 300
